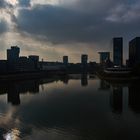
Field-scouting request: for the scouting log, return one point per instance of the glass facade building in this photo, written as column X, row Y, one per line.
column 118, row 51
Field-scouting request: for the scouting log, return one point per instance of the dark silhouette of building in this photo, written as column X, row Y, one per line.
column 84, row 63
column 105, row 59
column 55, row 67
column 74, row 68
column 104, row 56
column 35, row 60
column 16, row 63
column 134, row 52
column 118, row 51
column 24, row 64
column 84, row 59
column 3, row 66
column 13, row 54
column 93, row 66
column 65, row 60
column 12, row 57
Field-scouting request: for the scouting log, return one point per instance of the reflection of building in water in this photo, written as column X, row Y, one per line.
column 134, row 97
column 13, row 95
column 65, row 80
column 31, row 86
column 15, row 89
column 84, row 79
column 104, row 85
column 116, row 99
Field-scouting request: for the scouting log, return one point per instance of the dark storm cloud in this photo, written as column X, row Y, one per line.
column 24, row 3
column 57, row 23
column 97, row 22
column 5, row 4
column 2, row 3
column 3, row 26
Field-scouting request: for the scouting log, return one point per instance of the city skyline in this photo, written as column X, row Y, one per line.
column 52, row 29
column 69, row 69
column 116, row 55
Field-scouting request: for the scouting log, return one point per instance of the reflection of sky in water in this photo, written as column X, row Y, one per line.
column 12, row 135
column 70, row 111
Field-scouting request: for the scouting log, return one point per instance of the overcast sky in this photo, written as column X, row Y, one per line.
column 53, row 28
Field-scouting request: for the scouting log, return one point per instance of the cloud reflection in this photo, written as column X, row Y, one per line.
column 14, row 134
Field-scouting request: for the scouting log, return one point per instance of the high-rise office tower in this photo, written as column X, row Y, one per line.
column 84, row 59
column 65, row 60
column 13, row 57
column 13, row 54
column 118, row 51
column 104, row 56
column 134, row 52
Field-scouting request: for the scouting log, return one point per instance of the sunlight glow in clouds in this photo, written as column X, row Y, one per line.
column 8, row 12
column 44, row 2
column 12, row 2
column 53, row 2
column 52, row 28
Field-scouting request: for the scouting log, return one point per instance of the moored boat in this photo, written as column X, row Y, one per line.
column 118, row 71
column 118, row 74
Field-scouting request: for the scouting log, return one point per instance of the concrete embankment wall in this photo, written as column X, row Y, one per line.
column 29, row 75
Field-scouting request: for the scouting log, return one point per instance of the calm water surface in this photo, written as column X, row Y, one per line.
column 76, row 107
